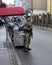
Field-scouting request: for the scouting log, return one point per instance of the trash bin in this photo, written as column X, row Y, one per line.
column 18, row 37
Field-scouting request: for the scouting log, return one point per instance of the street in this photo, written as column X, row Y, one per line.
column 41, row 53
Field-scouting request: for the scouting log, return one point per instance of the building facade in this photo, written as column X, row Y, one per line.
column 25, row 4
column 40, row 4
column 17, row 3
column 22, row 3
column 35, row 5
column 49, row 6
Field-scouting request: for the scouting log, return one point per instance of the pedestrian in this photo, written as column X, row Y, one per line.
column 27, row 27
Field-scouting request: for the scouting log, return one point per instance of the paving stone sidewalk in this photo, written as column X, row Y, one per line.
column 4, row 56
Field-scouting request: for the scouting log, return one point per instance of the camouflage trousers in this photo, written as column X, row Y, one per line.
column 26, row 40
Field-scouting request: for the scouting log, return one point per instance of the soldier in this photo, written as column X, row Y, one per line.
column 27, row 27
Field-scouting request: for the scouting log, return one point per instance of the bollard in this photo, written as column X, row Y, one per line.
column 43, row 20
column 36, row 19
column 51, row 19
column 48, row 16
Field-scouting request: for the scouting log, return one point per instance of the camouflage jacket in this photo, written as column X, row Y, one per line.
column 27, row 28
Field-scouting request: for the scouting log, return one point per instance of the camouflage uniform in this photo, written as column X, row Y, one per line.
column 27, row 27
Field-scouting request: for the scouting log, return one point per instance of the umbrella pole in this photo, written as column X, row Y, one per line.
column 6, row 35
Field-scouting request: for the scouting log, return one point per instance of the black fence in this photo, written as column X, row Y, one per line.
column 43, row 20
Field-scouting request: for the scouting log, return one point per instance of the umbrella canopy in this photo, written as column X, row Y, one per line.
column 11, row 11
column 2, row 5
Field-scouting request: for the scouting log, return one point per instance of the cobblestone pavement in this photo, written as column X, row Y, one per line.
column 4, row 56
